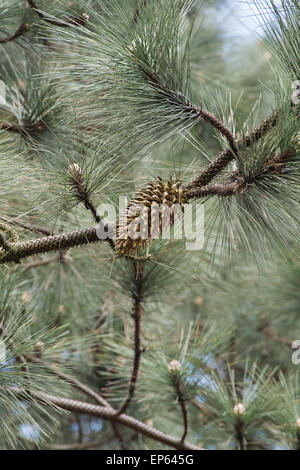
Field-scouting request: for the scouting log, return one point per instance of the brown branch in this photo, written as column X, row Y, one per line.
column 194, row 111
column 24, row 130
column 80, row 189
column 67, row 378
column 216, row 190
column 23, row 28
column 108, row 414
column 236, row 184
column 83, row 388
column 137, row 314
column 119, row 435
column 182, row 403
column 239, row 434
column 219, row 126
column 82, row 194
column 226, row 156
column 7, row 126
column 81, row 21
column 63, row 241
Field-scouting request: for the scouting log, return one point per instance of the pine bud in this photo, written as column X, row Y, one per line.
column 149, row 422
column 239, row 409
column 174, row 366
column 150, row 211
column 61, row 308
column 26, row 297
column 39, row 348
column 77, row 183
column 198, row 300
column 74, row 170
column 298, row 423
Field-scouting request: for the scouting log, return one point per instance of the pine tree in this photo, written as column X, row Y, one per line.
column 113, row 333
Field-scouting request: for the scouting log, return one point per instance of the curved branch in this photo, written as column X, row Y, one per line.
column 108, row 414
column 83, row 388
column 44, row 17
column 226, row 156
column 23, row 28
column 64, row 24
column 195, row 111
column 72, row 380
column 211, row 119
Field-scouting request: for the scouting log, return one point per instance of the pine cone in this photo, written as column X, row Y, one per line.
column 152, row 209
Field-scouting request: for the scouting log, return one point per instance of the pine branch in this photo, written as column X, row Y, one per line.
column 138, row 309
column 136, row 13
column 80, row 21
column 105, row 413
column 82, row 194
column 226, row 156
column 194, row 111
column 6, row 126
column 183, row 406
column 67, row 378
column 119, row 435
column 24, row 130
column 219, row 126
column 235, row 183
column 83, row 388
column 64, row 241
column 216, row 190
column 239, row 434
column 23, row 28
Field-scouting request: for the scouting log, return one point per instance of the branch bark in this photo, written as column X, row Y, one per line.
column 64, row 241
column 226, row 156
column 22, row 29
column 182, row 403
column 216, row 190
column 137, row 314
column 108, row 414
column 80, row 21
column 72, row 380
